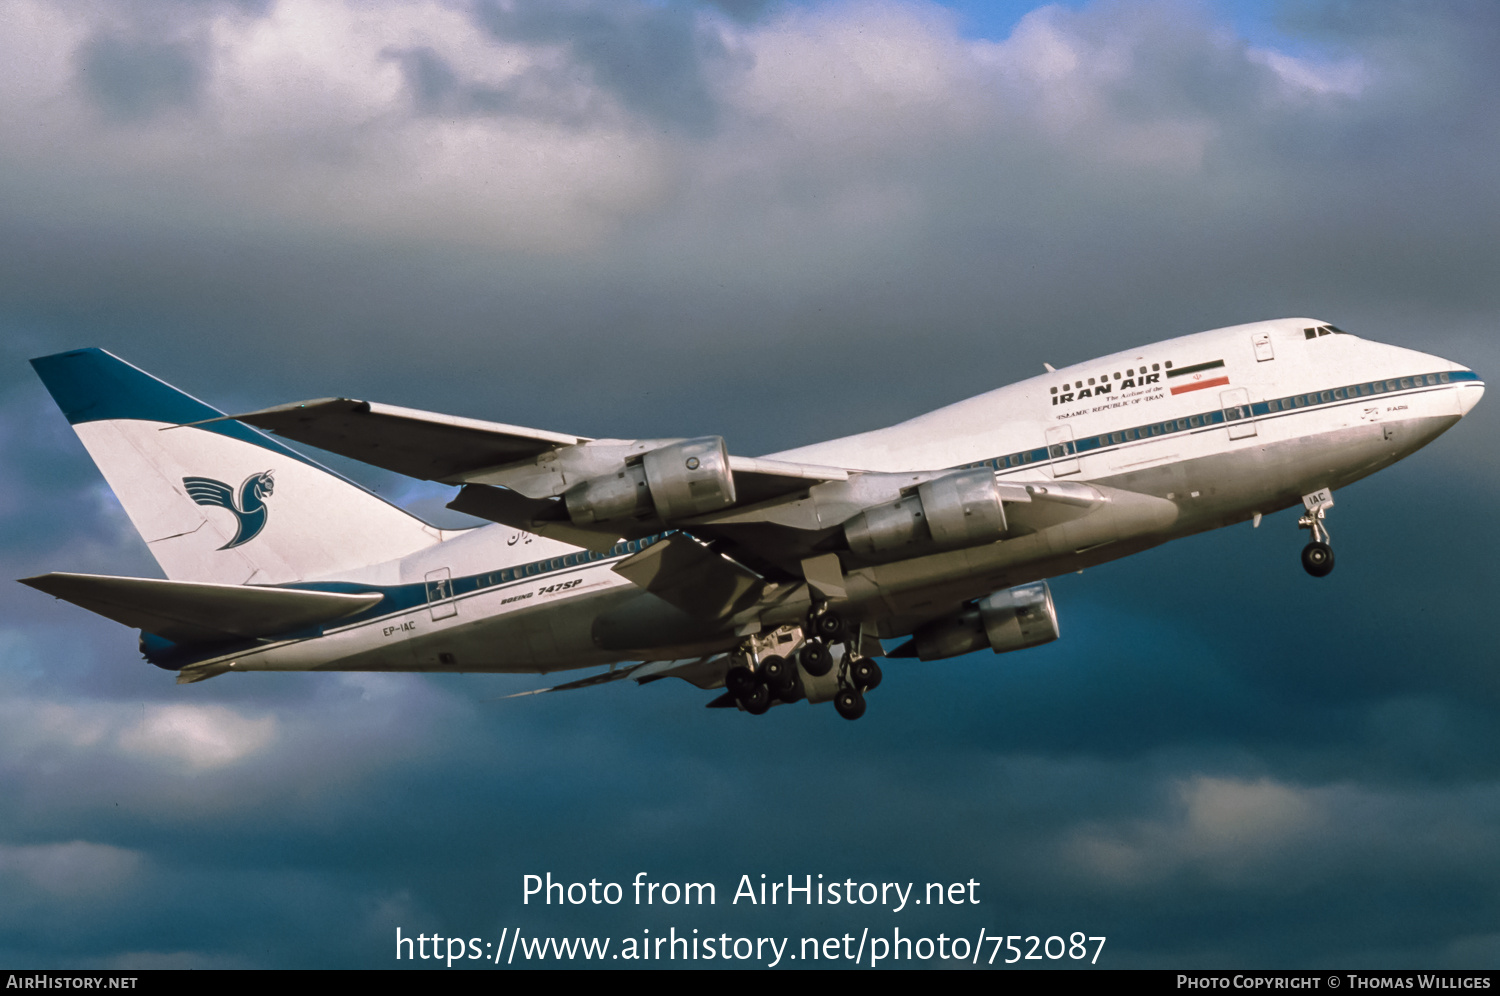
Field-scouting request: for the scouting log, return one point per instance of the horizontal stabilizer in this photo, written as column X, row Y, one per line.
column 191, row 612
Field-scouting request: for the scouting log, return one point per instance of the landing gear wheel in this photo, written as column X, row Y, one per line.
column 829, row 626
column 865, row 674
column 849, row 703
column 740, row 681
column 1317, row 559
column 792, row 691
column 781, row 677
column 815, row 659
column 757, row 701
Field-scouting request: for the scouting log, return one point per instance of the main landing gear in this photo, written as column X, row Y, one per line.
column 756, row 687
column 1317, row 556
column 857, row 674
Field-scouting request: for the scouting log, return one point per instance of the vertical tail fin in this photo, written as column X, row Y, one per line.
column 221, row 502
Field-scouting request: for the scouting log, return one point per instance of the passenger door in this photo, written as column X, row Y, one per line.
column 1239, row 416
column 1061, row 451
column 440, row 594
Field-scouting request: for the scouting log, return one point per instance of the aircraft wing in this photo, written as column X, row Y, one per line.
column 457, row 450
column 415, row 443
column 776, row 522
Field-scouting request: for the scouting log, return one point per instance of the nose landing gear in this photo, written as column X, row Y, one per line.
column 1317, row 556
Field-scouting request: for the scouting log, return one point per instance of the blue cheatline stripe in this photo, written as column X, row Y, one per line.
column 91, row 385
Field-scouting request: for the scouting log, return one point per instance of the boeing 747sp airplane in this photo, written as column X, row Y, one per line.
column 775, row 578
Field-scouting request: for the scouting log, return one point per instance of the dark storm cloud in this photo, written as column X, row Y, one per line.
column 852, row 215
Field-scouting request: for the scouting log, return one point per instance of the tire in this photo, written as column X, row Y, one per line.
column 792, row 691
column 740, row 681
column 1317, row 559
column 849, row 703
column 865, row 674
column 815, row 659
column 757, row 701
column 777, row 672
column 829, row 626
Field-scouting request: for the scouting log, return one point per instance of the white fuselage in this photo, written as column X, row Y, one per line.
column 1184, row 435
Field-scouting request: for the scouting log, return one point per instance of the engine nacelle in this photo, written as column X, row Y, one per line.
column 674, row 482
column 1007, row 620
column 950, row 513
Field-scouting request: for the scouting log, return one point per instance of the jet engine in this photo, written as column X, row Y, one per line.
column 673, row 482
column 949, row 513
column 1013, row 619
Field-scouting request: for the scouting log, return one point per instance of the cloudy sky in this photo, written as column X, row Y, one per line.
column 779, row 222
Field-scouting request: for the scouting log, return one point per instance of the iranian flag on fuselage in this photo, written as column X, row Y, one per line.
column 1198, row 376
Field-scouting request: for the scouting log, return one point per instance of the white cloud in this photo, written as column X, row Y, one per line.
column 305, row 120
column 1223, row 827
column 74, row 869
column 199, row 736
column 1305, row 77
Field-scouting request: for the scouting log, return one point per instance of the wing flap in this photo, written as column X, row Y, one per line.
column 757, row 480
column 704, row 672
column 683, row 572
column 192, row 612
column 528, row 515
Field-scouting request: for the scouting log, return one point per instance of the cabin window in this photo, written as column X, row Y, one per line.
column 1443, row 377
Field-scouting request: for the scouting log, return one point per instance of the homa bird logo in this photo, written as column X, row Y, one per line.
column 250, row 513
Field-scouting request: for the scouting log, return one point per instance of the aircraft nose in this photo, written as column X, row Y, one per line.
column 1469, row 393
